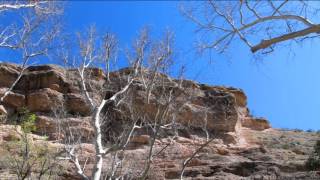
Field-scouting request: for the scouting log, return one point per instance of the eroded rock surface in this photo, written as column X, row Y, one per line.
column 245, row 147
column 49, row 89
column 255, row 123
column 269, row 154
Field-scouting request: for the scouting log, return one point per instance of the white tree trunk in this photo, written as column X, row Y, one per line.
column 96, row 173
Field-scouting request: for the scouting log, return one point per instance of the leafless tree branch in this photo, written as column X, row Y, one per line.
column 273, row 22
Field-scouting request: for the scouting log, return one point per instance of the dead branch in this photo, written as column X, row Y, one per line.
column 271, row 22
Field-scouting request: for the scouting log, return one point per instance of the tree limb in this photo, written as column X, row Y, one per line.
column 267, row 43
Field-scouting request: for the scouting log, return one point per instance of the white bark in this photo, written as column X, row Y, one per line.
column 96, row 173
column 26, row 39
column 261, row 25
column 88, row 53
column 6, row 7
column 41, row 6
column 187, row 161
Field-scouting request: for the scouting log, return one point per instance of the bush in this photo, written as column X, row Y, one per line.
column 313, row 162
column 30, row 161
column 310, row 130
column 28, row 123
column 26, row 120
column 297, row 130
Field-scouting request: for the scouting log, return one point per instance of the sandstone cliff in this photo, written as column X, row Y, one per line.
column 245, row 147
column 44, row 89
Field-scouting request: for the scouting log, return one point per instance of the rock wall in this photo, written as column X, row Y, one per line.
column 48, row 89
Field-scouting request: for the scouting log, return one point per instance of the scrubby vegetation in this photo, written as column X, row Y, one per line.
column 24, row 157
column 25, row 119
column 313, row 163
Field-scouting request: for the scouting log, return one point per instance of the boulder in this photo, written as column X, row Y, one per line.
column 8, row 74
column 46, row 125
column 76, row 104
column 141, row 139
column 10, row 133
column 45, row 76
column 44, row 100
column 13, row 99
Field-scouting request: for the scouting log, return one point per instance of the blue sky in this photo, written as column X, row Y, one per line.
column 283, row 88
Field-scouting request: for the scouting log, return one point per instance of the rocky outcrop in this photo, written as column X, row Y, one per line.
column 276, row 159
column 8, row 74
column 44, row 100
column 57, row 128
column 13, row 99
column 54, row 94
column 10, row 133
column 49, row 89
column 76, row 104
column 255, row 123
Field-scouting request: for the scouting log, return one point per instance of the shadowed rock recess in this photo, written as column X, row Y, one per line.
column 245, row 147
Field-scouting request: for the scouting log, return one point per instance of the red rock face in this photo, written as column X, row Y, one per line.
column 54, row 94
column 48, row 89
column 44, row 100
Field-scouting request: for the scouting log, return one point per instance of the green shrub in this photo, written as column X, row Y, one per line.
column 25, row 119
column 28, row 124
column 313, row 162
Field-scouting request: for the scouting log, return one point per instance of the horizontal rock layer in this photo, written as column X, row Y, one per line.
column 49, row 89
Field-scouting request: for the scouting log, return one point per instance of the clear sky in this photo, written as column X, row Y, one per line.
column 283, row 88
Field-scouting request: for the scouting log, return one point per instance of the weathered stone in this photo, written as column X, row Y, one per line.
column 57, row 128
column 141, row 139
column 55, row 87
column 3, row 111
column 222, row 151
column 3, row 114
column 49, row 87
column 44, row 100
column 10, row 133
column 214, row 109
column 220, row 110
column 196, row 162
column 76, row 104
column 255, row 123
column 39, row 77
column 12, row 99
column 96, row 73
column 8, row 74
column 46, row 125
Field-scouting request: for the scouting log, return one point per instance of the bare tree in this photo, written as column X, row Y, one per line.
column 27, row 160
column 89, row 55
column 149, row 61
column 31, row 35
column 45, row 7
column 261, row 25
